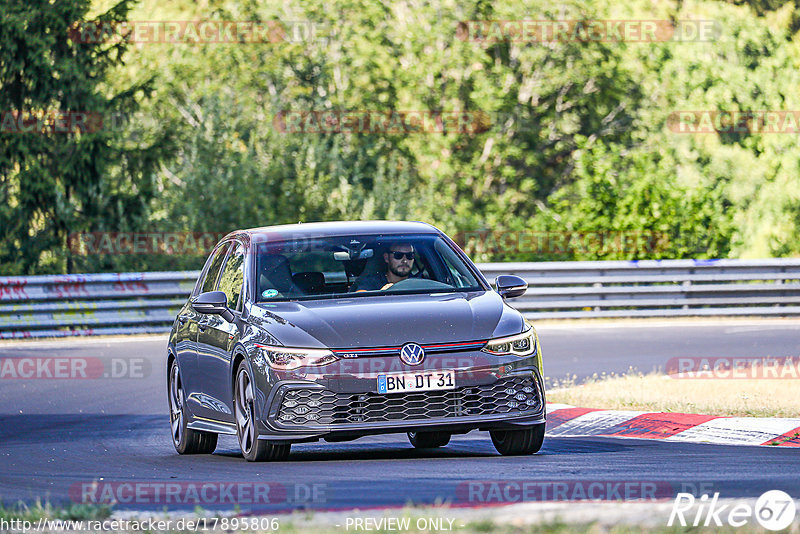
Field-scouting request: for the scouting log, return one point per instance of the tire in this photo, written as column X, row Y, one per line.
column 518, row 442
column 429, row 440
column 185, row 440
column 253, row 449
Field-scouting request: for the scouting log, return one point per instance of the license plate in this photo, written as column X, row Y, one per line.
column 425, row 381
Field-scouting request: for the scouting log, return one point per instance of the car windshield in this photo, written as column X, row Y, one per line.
column 360, row 265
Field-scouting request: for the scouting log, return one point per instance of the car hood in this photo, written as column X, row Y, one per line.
column 387, row 320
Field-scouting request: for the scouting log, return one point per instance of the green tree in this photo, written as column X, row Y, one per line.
column 55, row 180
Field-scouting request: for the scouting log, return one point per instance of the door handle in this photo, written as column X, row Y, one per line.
column 182, row 319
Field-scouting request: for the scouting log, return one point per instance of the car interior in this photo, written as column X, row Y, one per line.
column 334, row 269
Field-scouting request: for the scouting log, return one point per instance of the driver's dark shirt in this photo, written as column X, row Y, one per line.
column 371, row 282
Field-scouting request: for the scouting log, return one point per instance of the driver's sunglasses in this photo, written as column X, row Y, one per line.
column 399, row 255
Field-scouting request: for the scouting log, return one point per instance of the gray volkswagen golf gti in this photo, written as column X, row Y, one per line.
column 339, row 330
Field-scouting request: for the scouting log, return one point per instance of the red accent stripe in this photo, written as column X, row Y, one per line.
column 559, row 417
column 659, row 425
column 434, row 346
column 790, row 439
column 476, row 343
column 383, row 349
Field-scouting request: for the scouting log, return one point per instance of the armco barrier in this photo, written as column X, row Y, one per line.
column 90, row 304
column 653, row 288
column 68, row 305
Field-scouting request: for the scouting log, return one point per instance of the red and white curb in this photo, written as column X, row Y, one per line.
column 566, row 420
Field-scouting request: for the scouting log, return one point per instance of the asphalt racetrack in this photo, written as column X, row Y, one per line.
column 58, row 437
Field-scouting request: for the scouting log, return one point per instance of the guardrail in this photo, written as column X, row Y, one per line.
column 666, row 288
column 91, row 304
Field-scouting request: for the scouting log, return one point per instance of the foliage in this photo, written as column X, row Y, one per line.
column 54, row 179
column 567, row 138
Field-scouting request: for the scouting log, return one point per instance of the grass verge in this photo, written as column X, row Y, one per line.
column 37, row 510
column 657, row 392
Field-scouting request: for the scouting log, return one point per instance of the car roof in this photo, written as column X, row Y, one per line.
column 320, row 229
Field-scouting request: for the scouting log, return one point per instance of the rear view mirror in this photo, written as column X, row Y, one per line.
column 213, row 303
column 510, row 286
column 341, row 255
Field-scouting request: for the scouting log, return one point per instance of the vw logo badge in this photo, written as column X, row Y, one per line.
column 412, row 354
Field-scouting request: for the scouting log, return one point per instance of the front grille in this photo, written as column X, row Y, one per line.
column 307, row 406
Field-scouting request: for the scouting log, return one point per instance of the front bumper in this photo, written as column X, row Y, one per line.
column 501, row 397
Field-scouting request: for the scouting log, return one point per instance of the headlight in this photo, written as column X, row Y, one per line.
column 287, row 359
column 523, row 344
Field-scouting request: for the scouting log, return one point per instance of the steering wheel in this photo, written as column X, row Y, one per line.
column 418, row 283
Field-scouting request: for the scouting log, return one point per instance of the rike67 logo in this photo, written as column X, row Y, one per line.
column 774, row 510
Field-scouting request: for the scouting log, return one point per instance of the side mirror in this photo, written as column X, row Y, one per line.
column 213, row 303
column 510, row 286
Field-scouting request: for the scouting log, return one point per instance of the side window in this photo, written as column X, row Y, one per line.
column 458, row 273
column 232, row 277
column 210, row 282
column 200, row 279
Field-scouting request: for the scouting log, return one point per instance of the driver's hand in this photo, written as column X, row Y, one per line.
column 387, row 286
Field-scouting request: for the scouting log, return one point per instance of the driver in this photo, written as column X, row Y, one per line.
column 399, row 262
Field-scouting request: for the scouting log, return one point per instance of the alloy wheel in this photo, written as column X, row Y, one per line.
column 176, row 405
column 245, row 424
